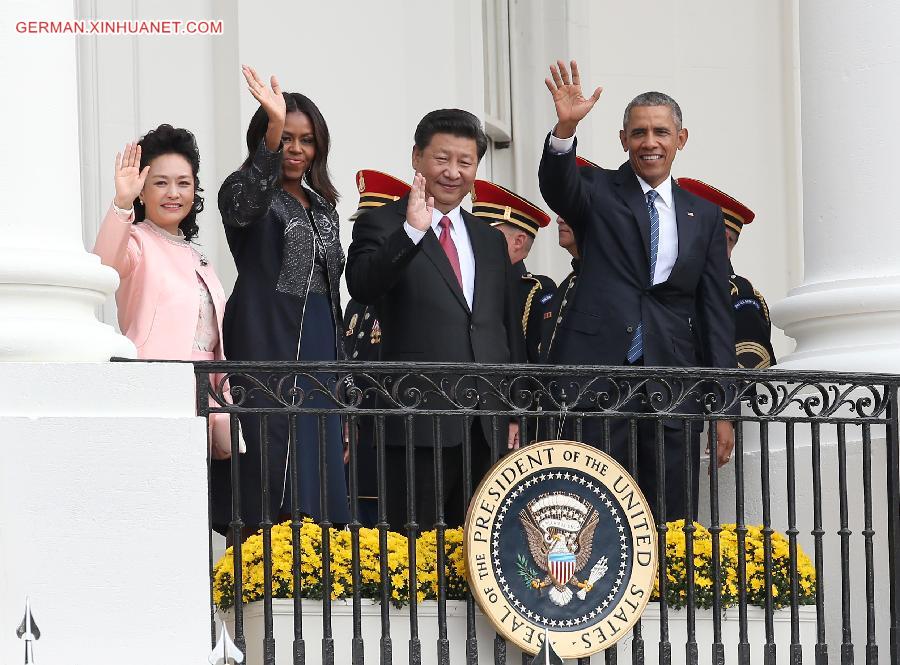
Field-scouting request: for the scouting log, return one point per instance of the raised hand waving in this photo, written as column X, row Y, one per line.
column 129, row 176
column 571, row 104
column 420, row 206
column 272, row 101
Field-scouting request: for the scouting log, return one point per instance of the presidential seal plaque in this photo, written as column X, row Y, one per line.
column 559, row 536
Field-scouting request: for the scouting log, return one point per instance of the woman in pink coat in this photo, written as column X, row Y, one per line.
column 170, row 301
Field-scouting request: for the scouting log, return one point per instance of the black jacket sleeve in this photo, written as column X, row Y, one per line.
column 246, row 194
column 379, row 253
column 563, row 187
column 715, row 311
column 714, row 302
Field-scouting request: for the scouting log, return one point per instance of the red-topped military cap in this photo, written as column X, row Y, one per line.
column 497, row 205
column 376, row 189
column 735, row 213
column 581, row 161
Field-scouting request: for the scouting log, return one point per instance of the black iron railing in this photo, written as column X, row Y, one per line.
column 779, row 416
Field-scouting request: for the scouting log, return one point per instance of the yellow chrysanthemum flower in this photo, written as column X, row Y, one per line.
column 398, row 584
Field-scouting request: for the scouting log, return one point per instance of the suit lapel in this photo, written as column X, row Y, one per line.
column 629, row 190
column 686, row 223
column 431, row 247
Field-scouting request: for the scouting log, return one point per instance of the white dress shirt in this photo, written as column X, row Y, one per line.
column 667, row 252
column 460, row 236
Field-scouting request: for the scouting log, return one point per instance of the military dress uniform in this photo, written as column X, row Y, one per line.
column 532, row 290
column 554, row 309
column 497, row 205
column 362, row 331
column 362, row 342
column 752, row 325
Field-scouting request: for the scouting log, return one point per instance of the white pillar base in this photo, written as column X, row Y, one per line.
column 47, row 304
column 103, row 507
column 848, row 325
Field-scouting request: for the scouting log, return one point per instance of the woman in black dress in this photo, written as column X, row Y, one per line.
column 282, row 229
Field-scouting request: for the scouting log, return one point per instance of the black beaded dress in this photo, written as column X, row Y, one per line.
column 285, row 306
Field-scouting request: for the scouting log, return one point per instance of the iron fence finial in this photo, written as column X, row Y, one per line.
column 28, row 632
column 226, row 652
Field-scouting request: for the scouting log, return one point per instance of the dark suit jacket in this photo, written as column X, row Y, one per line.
column 687, row 319
column 423, row 313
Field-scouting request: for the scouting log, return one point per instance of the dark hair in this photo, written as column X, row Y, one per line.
column 455, row 122
column 168, row 140
column 317, row 176
column 653, row 98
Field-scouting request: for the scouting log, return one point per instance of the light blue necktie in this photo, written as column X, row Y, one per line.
column 636, row 350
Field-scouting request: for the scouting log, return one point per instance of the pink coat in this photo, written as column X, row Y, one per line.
column 158, row 300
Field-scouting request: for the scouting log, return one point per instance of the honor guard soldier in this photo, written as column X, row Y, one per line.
column 519, row 220
column 752, row 325
column 555, row 305
column 363, row 341
column 363, row 334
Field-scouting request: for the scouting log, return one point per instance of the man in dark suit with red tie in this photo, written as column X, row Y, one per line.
column 443, row 290
column 653, row 287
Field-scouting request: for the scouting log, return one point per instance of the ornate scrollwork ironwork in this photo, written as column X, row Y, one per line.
column 608, row 391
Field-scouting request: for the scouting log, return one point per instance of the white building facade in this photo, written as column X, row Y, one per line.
column 107, row 480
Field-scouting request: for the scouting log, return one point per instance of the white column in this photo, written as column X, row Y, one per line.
column 49, row 284
column 103, row 492
column 846, row 313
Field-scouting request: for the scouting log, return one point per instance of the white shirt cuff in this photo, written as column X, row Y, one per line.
column 414, row 234
column 127, row 215
column 561, row 146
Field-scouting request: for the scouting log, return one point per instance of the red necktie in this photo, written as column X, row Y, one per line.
column 450, row 247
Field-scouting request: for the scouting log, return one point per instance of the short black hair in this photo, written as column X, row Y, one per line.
column 317, row 176
column 654, row 98
column 169, row 140
column 455, row 122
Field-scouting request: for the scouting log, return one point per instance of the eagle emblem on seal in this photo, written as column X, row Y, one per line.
column 559, row 528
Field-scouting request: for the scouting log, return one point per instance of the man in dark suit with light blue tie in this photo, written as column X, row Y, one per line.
column 654, row 275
